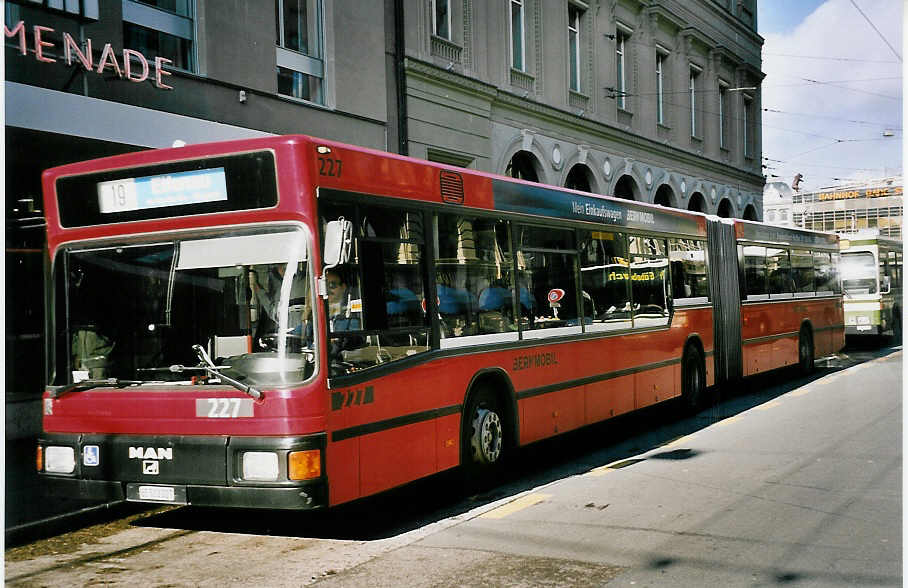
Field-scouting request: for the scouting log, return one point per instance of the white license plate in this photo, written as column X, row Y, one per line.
column 162, row 493
column 863, row 327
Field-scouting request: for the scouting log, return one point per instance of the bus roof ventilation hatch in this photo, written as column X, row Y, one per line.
column 451, row 187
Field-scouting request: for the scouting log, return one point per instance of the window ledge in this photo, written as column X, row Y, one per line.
column 446, row 49
column 578, row 100
column 625, row 117
column 523, row 80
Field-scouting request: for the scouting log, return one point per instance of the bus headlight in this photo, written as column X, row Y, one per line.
column 260, row 466
column 59, row 460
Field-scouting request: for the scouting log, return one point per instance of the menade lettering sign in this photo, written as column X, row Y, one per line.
column 106, row 62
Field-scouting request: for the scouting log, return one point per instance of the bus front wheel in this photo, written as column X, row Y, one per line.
column 483, row 432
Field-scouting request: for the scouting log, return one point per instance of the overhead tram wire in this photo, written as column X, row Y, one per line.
column 794, row 56
column 878, row 32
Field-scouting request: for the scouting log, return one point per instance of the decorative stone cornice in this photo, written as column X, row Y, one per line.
column 660, row 13
column 449, row 78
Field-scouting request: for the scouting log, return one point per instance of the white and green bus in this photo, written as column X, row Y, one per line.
column 872, row 282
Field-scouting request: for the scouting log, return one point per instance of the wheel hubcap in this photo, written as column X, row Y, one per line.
column 486, row 440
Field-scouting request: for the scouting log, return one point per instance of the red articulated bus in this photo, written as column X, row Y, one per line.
column 296, row 323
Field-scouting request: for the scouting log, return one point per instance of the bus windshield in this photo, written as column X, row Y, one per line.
column 135, row 312
column 859, row 273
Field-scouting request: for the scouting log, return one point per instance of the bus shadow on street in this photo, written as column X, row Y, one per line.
column 614, row 443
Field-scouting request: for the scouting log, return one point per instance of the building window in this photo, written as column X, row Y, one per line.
column 692, row 87
column 660, row 88
column 517, row 35
column 621, row 81
column 574, row 17
column 747, row 121
column 441, row 19
column 723, row 94
column 161, row 28
column 300, row 65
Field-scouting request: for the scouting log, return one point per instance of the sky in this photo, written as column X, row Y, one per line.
column 832, row 95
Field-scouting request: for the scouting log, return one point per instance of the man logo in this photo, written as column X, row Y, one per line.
column 150, row 468
column 151, row 453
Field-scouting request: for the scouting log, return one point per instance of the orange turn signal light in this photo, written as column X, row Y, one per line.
column 305, row 465
column 39, row 459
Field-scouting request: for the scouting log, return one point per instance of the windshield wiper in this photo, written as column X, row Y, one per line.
column 207, row 365
column 88, row 384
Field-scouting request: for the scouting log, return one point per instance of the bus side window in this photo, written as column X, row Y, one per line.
column 474, row 276
column 754, row 258
column 547, row 278
column 605, row 279
column 649, row 281
column 778, row 266
column 689, row 277
column 802, row 272
column 824, row 272
column 385, row 280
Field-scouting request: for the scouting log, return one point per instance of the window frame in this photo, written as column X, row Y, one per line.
column 521, row 7
column 660, row 86
column 723, row 114
column 448, row 23
column 298, row 62
column 747, row 116
column 621, row 37
column 575, row 44
column 693, row 83
column 167, row 22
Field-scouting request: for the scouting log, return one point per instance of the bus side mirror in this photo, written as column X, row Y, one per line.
column 338, row 239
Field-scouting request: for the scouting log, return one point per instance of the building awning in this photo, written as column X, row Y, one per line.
column 40, row 109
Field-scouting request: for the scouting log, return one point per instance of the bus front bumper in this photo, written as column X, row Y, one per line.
column 244, row 472
column 308, row 497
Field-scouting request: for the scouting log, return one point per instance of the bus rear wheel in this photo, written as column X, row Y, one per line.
column 805, row 352
column 693, row 378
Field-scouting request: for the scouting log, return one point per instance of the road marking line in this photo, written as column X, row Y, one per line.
column 768, row 405
column 517, row 505
column 727, row 421
column 800, row 392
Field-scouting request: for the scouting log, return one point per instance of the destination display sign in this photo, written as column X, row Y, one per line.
column 543, row 201
column 243, row 181
column 785, row 236
column 190, row 187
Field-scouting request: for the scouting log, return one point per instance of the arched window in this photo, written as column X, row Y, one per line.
column 725, row 210
column 523, row 165
column 750, row 213
column 627, row 188
column 665, row 196
column 697, row 202
column 580, row 178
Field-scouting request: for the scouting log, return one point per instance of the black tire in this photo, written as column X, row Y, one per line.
column 805, row 352
column 693, row 379
column 896, row 338
column 483, row 432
